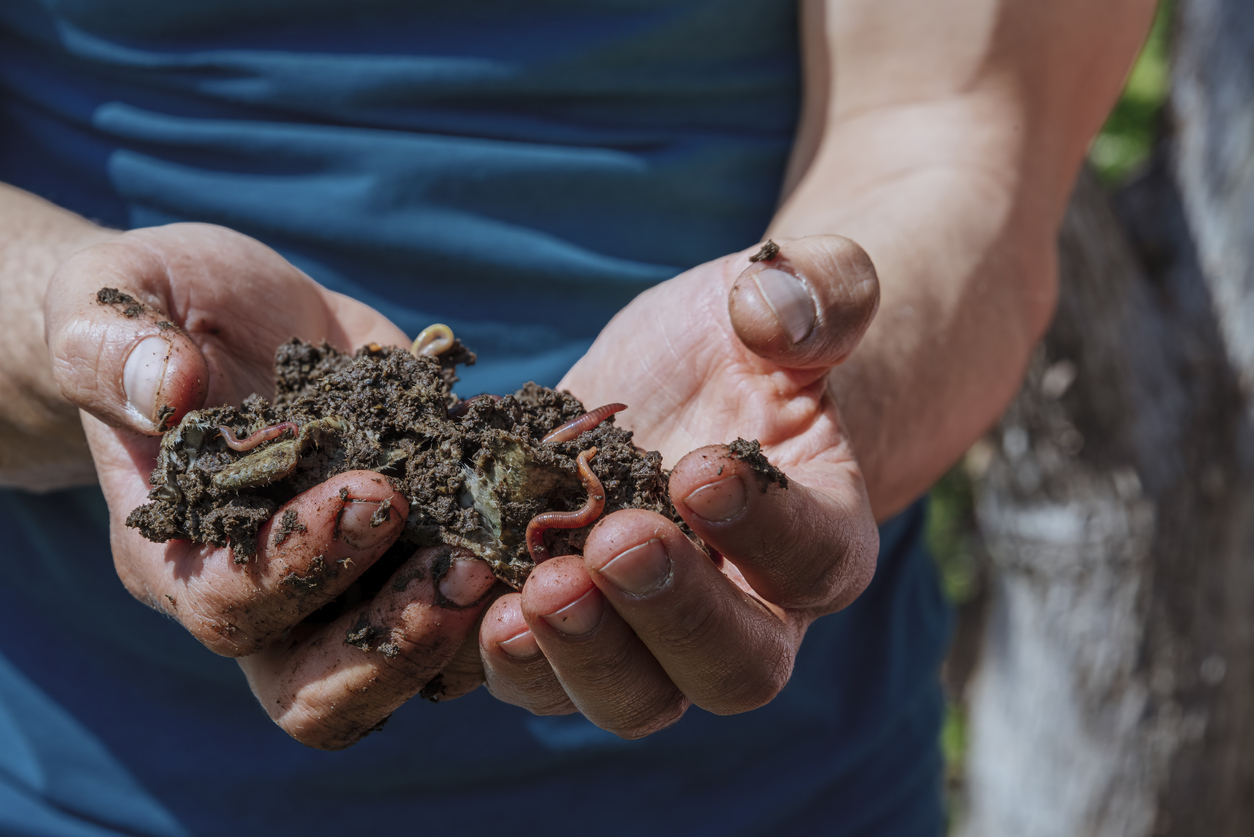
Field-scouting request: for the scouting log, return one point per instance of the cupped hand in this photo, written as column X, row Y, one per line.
column 197, row 316
column 644, row 624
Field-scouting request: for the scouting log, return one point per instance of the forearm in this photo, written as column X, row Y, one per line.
column 967, row 287
column 41, row 438
column 944, row 139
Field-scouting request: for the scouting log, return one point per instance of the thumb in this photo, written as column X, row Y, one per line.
column 807, row 303
column 116, row 352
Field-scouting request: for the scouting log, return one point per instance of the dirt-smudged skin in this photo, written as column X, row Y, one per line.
column 474, row 479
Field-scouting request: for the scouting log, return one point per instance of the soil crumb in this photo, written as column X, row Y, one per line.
column 289, row 523
column 112, row 296
column 435, row 690
column 475, row 472
column 751, row 454
column 769, row 251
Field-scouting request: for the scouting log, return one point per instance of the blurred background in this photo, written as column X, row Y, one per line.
column 1098, row 543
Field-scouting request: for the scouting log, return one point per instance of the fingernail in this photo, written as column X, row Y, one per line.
column 719, row 501
column 580, row 616
column 359, row 524
column 143, row 373
column 520, row 646
column 466, row 581
column 641, row 569
column 788, row 300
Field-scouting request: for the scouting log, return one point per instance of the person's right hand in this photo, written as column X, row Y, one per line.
column 213, row 307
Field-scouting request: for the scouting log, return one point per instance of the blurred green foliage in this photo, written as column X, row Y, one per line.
column 1128, row 136
column 952, row 536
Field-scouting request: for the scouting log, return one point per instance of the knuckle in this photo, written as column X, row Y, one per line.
column 217, row 629
column 754, row 684
column 328, row 721
column 823, row 574
column 789, row 573
column 541, row 695
column 211, row 627
column 851, row 576
column 223, row 639
column 822, row 586
column 546, row 701
column 552, row 706
column 312, row 729
column 698, row 628
column 648, row 720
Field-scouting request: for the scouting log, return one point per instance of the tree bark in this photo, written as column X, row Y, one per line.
column 1116, row 691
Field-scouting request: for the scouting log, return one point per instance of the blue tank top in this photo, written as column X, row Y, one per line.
column 519, row 170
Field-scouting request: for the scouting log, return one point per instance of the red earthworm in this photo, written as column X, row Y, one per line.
column 576, row 519
column 461, row 408
column 432, row 340
column 265, row 434
column 571, row 429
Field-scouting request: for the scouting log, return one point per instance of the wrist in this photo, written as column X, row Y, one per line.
column 42, row 445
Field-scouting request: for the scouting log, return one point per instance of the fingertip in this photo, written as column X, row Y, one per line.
column 711, row 484
column 164, row 377
column 351, row 518
column 464, row 581
column 371, row 512
column 808, row 305
column 121, row 359
column 796, row 545
column 504, row 630
column 553, row 585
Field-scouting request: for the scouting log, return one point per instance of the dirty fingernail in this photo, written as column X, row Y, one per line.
column 521, row 646
column 788, row 300
column 641, row 569
column 466, row 581
column 580, row 616
column 143, row 373
column 361, row 523
column 719, row 501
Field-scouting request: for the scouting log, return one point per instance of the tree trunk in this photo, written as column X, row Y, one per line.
column 1116, row 691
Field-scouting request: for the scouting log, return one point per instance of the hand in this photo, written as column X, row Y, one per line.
column 210, row 307
column 644, row 624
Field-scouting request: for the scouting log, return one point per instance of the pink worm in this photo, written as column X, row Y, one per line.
column 571, row 429
column 576, row 519
column 265, row 434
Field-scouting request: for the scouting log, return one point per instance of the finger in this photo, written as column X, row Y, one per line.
column 515, row 669
column 309, row 552
column 195, row 315
column 724, row 649
column 115, row 350
column 809, row 305
column 330, row 685
column 797, row 546
column 609, row 674
column 464, row 672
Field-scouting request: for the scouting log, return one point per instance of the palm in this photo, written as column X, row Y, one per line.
column 689, row 381
column 233, row 301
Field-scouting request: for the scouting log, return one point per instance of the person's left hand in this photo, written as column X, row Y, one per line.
column 644, row 624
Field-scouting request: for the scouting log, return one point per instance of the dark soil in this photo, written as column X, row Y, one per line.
column 130, row 306
column 751, row 454
column 768, row 252
column 474, row 477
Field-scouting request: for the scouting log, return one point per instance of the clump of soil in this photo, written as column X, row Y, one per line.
column 475, row 472
column 750, row 453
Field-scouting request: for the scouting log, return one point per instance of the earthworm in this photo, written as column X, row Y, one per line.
column 576, row 519
column 461, row 408
column 571, row 429
column 265, row 434
column 432, row 340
